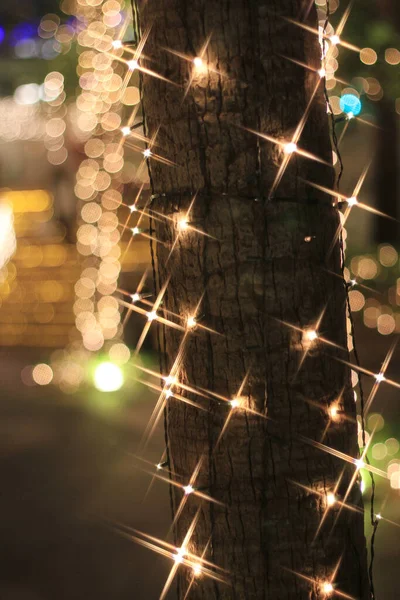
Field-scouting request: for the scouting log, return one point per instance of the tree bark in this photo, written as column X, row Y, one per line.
column 263, row 262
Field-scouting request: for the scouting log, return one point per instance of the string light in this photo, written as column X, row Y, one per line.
column 198, row 62
column 380, row 377
column 289, row 148
column 335, row 40
column 117, row 44
column 151, row 316
column 183, row 224
column 135, row 230
column 147, row 153
column 132, row 64
column 191, row 322
column 352, row 201
column 330, row 499
column 327, row 588
column 188, row 489
column 197, row 569
column 310, row 335
column 235, row 402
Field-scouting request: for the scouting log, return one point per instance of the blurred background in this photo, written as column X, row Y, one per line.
column 73, row 245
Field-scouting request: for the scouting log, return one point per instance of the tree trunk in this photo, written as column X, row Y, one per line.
column 264, row 261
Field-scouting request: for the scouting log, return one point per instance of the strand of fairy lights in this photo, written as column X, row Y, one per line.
column 311, row 337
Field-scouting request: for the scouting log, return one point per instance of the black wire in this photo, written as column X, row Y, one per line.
column 374, row 520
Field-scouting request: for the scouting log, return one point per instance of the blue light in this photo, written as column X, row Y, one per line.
column 2, row 34
column 349, row 103
column 23, row 31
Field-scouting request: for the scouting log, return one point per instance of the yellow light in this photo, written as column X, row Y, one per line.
column 125, row 130
column 380, row 377
column 197, row 569
column 327, row 588
column 311, row 335
column 151, row 315
column 191, row 322
column 42, row 374
column 330, row 499
column 117, row 44
column 378, row 516
column 135, row 297
column 198, row 62
column 183, row 224
column 188, row 489
column 360, row 464
column 235, row 402
column 334, row 412
column 290, row 148
column 180, row 553
column 133, row 208
column 352, row 201
column 108, row 377
column 170, row 379
column 135, row 230
column 335, row 39
column 147, row 153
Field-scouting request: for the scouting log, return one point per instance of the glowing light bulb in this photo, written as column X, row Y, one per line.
column 290, row 148
column 108, row 377
column 169, row 393
column 335, row 39
column 125, row 130
column 170, row 379
column 360, row 464
column 308, row 238
column 197, row 569
column 311, row 335
column 235, row 402
column 183, row 224
column 133, row 208
column 188, row 489
column 352, row 201
column 191, row 322
column 135, row 297
column 380, row 377
column 321, row 72
column 330, row 499
column 151, row 315
column 198, row 62
column 327, row 588
column 135, row 230
column 132, row 64
column 117, row 44
column 147, row 153
column 180, row 553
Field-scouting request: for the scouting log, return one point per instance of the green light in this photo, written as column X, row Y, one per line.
column 108, row 377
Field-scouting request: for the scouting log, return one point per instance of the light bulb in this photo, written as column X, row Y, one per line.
column 197, row 569
column 147, row 153
column 327, row 587
column 151, row 315
column 191, row 322
column 235, row 402
column 330, row 499
column 188, row 489
column 125, row 130
column 311, row 335
column 183, row 224
column 352, row 201
column 290, row 148
column 132, row 64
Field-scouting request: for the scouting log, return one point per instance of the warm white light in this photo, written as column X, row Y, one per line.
column 360, row 464
column 191, row 322
column 335, row 39
column 334, row 412
column 170, row 379
column 183, row 224
column 330, row 499
column 151, row 315
column 188, row 489
column 117, row 44
column 380, row 377
column 197, row 569
column 125, row 130
column 322, row 72
column 352, row 201
column 378, row 516
column 350, row 116
column 327, row 588
column 135, row 230
column 198, row 62
column 135, row 297
column 180, row 553
column 290, row 148
column 310, row 335
column 147, row 153
column 169, row 393
column 159, row 467
column 353, row 282
column 132, row 64
column 133, row 208
column 235, row 402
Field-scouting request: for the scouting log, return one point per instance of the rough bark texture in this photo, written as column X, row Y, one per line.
column 256, row 271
